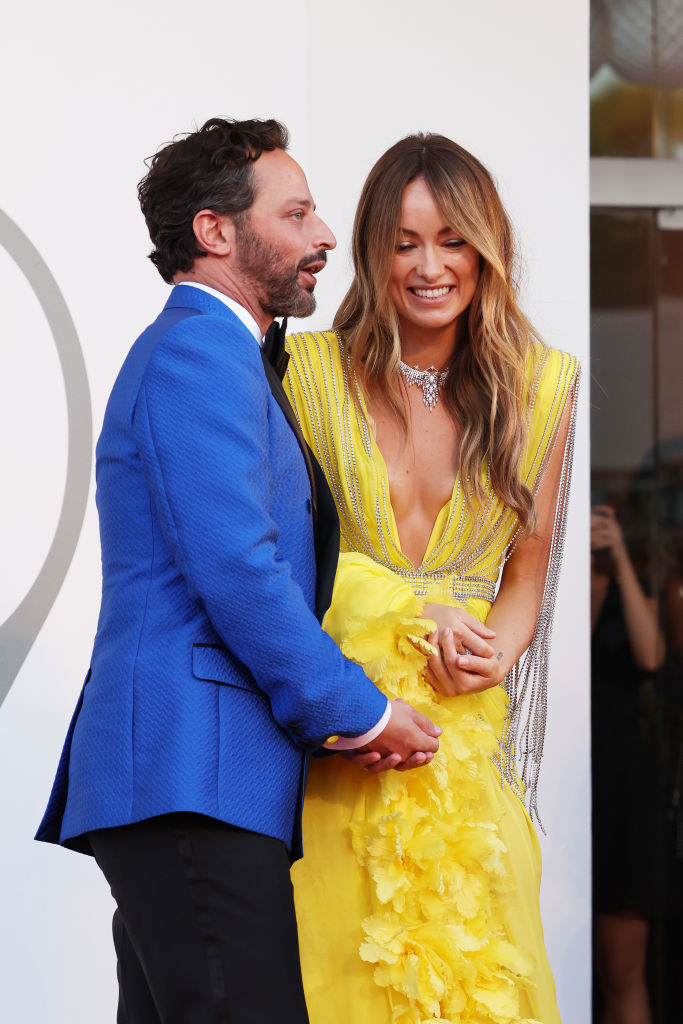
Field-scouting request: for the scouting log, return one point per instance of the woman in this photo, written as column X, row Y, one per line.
column 629, row 883
column 445, row 430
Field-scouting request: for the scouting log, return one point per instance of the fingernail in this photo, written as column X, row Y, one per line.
column 448, row 632
column 439, row 730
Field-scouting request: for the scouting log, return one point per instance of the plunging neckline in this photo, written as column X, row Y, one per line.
column 382, row 476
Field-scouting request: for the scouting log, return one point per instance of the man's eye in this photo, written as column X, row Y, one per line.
column 299, row 215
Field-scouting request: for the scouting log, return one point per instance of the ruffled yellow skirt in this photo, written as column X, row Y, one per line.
column 418, row 895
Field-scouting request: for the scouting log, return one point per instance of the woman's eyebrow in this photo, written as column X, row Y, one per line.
column 414, row 234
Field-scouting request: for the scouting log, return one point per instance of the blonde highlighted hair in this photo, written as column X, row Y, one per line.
column 486, row 389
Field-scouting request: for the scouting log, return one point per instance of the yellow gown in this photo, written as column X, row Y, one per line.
column 418, row 895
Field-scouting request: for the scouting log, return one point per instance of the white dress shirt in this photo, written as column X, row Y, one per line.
column 240, row 312
column 336, row 742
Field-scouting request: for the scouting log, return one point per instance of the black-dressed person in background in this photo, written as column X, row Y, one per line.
column 627, row 649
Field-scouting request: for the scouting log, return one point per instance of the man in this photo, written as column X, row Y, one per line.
column 211, row 681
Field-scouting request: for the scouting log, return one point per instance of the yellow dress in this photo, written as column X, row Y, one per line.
column 418, row 895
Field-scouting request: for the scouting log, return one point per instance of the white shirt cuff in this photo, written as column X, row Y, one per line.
column 353, row 742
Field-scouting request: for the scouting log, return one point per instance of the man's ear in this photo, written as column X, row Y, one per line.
column 214, row 233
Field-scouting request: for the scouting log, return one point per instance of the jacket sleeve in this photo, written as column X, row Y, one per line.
column 201, row 425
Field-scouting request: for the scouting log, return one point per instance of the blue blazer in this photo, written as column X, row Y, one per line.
column 211, row 679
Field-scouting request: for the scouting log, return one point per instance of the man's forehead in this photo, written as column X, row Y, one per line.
column 277, row 174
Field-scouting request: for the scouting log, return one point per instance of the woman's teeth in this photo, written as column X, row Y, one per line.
column 431, row 293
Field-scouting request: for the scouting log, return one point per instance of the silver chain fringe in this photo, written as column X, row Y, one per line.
column 522, row 742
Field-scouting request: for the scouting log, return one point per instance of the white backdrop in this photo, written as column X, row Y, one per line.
column 88, row 94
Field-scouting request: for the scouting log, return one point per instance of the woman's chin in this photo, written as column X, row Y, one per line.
column 430, row 319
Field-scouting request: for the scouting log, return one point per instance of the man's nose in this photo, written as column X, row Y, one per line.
column 323, row 237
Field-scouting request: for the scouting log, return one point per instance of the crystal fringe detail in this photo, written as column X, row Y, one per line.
column 521, row 745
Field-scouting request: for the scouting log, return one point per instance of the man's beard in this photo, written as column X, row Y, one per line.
column 274, row 280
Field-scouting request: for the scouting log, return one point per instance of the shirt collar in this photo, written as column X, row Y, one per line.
column 243, row 314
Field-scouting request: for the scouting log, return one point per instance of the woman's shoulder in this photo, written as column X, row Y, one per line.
column 315, row 350
column 315, row 379
column 553, row 377
column 552, row 374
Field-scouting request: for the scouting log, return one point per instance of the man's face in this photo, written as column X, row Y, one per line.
column 281, row 244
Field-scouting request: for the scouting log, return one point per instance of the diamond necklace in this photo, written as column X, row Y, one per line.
column 430, row 380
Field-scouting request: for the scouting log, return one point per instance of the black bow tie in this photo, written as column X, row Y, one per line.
column 274, row 347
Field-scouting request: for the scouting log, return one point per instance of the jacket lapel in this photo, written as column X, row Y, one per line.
column 325, row 519
column 282, row 400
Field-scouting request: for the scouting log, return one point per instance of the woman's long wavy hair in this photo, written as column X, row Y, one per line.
column 486, row 389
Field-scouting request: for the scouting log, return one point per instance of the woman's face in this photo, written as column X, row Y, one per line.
column 434, row 273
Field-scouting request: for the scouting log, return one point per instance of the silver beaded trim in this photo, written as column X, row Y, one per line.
column 527, row 682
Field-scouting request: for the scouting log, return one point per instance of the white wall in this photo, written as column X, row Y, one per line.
column 87, row 96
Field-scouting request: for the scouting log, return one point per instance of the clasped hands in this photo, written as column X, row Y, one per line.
column 464, row 662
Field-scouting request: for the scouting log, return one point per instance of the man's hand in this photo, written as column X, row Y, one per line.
column 408, row 740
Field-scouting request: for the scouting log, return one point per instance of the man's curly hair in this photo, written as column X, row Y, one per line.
column 207, row 169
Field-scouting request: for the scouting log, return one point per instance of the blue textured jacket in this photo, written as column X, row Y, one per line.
column 211, row 679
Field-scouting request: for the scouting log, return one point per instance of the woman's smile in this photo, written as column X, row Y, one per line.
column 432, row 296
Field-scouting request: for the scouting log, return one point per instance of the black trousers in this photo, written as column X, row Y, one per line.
column 204, row 930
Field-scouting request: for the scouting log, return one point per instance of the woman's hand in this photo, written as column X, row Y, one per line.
column 466, row 662
column 641, row 613
column 373, row 761
column 606, row 532
column 452, row 673
column 469, row 633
